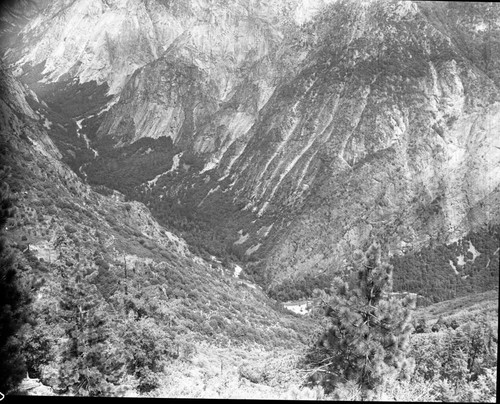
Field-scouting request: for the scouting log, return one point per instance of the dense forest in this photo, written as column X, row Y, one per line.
column 443, row 272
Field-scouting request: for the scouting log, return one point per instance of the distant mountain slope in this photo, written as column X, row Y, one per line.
column 462, row 309
column 403, row 146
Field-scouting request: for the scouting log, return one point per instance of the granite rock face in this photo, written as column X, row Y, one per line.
column 402, row 143
column 326, row 123
column 107, row 40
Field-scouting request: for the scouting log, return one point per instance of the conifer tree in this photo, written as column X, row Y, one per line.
column 88, row 366
column 13, row 303
column 368, row 335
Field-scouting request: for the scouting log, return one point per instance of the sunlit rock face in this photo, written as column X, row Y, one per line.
column 96, row 40
column 392, row 132
column 107, row 40
column 208, row 85
column 326, row 123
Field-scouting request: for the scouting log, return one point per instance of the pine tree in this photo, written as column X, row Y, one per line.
column 368, row 336
column 453, row 367
column 13, row 304
column 88, row 367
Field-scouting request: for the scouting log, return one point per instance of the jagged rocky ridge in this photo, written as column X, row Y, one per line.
column 293, row 144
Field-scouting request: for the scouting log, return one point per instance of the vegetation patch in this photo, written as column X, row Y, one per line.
column 436, row 273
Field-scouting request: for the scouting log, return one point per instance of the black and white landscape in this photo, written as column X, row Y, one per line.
column 258, row 199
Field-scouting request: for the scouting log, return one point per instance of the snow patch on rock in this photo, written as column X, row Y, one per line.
column 300, row 307
column 251, row 250
column 237, row 271
column 175, row 165
column 242, row 238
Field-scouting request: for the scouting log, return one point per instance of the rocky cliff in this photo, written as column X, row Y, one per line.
column 404, row 138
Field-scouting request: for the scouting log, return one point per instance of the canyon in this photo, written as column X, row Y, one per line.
column 285, row 136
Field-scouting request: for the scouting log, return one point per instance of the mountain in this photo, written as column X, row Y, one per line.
column 138, row 273
column 181, row 168
column 281, row 135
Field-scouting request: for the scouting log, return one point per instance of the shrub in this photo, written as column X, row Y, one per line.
column 70, row 229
